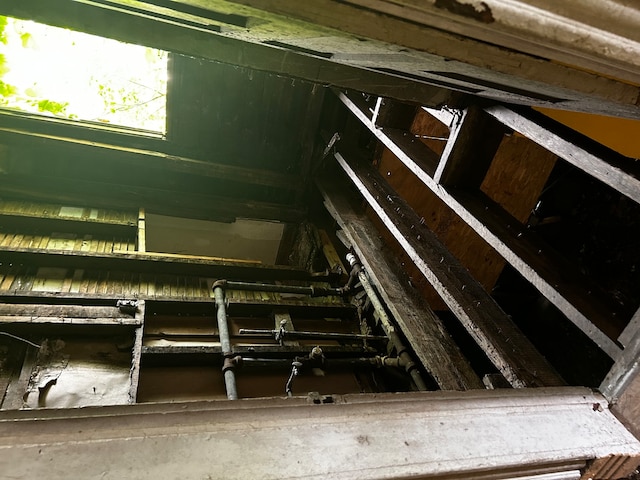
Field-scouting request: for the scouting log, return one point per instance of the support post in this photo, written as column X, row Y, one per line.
column 225, row 343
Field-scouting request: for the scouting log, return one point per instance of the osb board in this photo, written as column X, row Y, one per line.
column 517, row 175
column 515, row 179
column 472, row 251
column 433, row 133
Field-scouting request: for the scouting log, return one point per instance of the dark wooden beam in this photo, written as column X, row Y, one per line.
column 604, row 164
column 178, row 203
column 142, row 263
column 504, row 344
column 120, row 21
column 93, row 151
column 473, row 142
column 425, row 332
column 310, row 137
column 578, row 307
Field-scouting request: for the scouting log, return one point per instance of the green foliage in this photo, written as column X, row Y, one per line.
column 52, row 107
column 3, row 25
column 7, row 90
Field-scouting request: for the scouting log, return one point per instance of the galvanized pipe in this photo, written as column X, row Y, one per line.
column 225, row 343
column 386, row 324
column 269, row 287
column 314, row 335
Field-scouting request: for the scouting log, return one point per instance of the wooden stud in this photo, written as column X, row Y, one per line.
column 142, row 237
column 504, row 344
column 473, row 142
column 508, row 242
column 425, row 332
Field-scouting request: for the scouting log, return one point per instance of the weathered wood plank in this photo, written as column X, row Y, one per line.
column 148, row 159
column 134, row 27
column 425, row 332
column 611, row 168
column 505, row 240
column 166, row 202
column 142, row 236
column 136, row 354
column 504, row 344
column 473, row 142
column 143, row 263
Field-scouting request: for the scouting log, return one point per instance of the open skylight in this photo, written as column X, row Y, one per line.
column 59, row 72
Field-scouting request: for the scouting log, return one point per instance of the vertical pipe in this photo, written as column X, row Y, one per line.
column 387, row 326
column 225, row 342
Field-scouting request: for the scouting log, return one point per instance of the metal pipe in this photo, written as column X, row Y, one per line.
column 269, row 287
column 225, row 343
column 316, row 335
column 387, row 326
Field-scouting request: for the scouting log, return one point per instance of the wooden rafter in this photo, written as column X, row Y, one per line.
column 505, row 345
column 516, row 245
column 424, row 330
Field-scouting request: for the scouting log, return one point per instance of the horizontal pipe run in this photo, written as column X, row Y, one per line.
column 317, row 335
column 268, row 287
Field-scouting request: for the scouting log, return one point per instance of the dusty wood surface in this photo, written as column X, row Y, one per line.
column 505, row 345
column 472, row 145
column 611, row 168
column 424, row 330
column 536, row 432
column 507, row 242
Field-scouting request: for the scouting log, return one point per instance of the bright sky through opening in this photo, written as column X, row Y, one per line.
column 94, row 78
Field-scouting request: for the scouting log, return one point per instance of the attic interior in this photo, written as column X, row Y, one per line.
column 321, row 227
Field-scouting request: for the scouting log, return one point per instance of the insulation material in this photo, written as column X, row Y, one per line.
column 79, row 372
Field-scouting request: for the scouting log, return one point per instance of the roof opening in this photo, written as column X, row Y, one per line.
column 58, row 72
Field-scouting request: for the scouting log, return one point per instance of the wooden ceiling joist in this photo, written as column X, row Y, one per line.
column 92, row 151
column 559, row 283
column 424, row 330
column 619, row 172
column 504, row 344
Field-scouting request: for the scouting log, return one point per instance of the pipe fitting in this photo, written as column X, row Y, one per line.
column 231, row 362
column 219, row 283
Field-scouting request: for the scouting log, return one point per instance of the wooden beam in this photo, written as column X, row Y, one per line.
column 632, row 329
column 120, row 21
column 491, row 67
column 92, row 151
column 392, row 114
column 467, row 156
column 540, row 434
column 507, row 241
column 134, row 262
column 141, row 244
column 426, row 334
column 31, row 313
column 504, row 344
column 602, row 163
column 136, row 353
column 156, row 200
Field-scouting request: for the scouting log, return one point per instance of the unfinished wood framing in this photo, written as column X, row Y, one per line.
column 134, row 157
column 17, row 313
column 607, row 166
column 472, row 144
column 431, row 343
column 141, row 243
column 504, row 236
column 136, row 353
column 509, row 350
column 132, row 25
